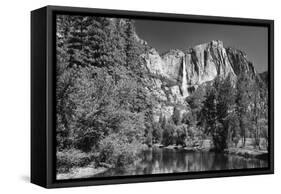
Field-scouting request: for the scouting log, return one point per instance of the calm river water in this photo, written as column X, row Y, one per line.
column 159, row 160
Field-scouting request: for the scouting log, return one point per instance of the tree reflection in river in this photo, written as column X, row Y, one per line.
column 156, row 161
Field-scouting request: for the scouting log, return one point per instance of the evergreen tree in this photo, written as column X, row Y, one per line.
column 258, row 110
column 209, row 114
column 64, row 82
column 217, row 111
column 76, row 40
column 195, row 102
column 157, row 132
column 225, row 108
column 242, row 104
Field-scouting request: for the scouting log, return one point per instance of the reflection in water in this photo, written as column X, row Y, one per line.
column 156, row 160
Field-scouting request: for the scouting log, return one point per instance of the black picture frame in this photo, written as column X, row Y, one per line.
column 43, row 60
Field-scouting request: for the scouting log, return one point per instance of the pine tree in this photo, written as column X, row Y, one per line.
column 76, row 40
column 195, row 102
column 64, row 82
column 242, row 104
column 209, row 113
column 225, row 108
column 258, row 109
column 217, row 111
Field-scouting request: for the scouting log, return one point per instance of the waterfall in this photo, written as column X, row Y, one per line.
column 184, row 80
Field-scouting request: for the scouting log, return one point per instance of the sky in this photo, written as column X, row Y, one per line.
column 166, row 35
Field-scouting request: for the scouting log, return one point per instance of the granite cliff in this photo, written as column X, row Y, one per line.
column 176, row 74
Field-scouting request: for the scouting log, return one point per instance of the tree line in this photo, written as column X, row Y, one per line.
column 227, row 111
column 105, row 109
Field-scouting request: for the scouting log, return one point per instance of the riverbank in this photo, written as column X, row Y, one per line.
column 203, row 145
column 91, row 171
column 166, row 160
column 83, row 172
column 248, row 153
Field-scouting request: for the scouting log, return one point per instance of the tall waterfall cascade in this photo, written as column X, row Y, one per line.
column 184, row 79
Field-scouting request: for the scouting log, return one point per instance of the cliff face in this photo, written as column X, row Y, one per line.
column 206, row 61
column 198, row 65
column 173, row 76
column 176, row 74
column 167, row 65
column 239, row 62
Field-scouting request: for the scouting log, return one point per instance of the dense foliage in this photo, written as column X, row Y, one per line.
column 105, row 110
column 100, row 92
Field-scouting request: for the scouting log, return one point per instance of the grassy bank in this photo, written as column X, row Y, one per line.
column 81, row 172
column 74, row 163
column 248, row 153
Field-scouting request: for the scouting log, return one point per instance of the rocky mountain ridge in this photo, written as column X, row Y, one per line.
column 176, row 74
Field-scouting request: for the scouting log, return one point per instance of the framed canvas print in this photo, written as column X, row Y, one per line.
column 125, row 96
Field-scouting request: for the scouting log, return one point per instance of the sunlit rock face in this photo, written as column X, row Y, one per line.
column 188, row 69
column 206, row 61
column 173, row 61
column 177, row 74
column 167, row 65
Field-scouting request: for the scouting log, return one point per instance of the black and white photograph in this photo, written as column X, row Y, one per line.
column 142, row 96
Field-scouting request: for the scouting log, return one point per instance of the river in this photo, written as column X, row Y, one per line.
column 160, row 160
